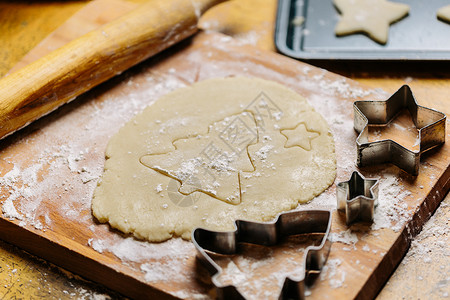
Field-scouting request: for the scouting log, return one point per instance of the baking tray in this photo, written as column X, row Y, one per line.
column 419, row 36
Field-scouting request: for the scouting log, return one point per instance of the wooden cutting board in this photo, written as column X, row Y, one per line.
column 49, row 171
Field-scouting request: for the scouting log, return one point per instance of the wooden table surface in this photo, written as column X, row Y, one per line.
column 423, row 274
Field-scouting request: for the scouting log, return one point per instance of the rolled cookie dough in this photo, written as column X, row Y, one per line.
column 372, row 17
column 211, row 153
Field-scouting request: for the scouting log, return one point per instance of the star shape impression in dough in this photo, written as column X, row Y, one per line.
column 372, row 17
column 300, row 136
column 444, row 13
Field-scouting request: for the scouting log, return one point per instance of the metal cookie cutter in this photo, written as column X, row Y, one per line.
column 267, row 234
column 357, row 197
column 429, row 122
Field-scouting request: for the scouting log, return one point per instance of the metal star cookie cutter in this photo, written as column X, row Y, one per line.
column 429, row 122
column 268, row 234
column 357, row 197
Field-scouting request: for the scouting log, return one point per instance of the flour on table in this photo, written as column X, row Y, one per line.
column 222, row 149
column 332, row 273
column 392, row 210
column 9, row 210
column 346, row 237
column 372, row 17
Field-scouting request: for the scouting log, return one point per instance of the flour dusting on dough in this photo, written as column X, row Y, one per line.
column 241, row 149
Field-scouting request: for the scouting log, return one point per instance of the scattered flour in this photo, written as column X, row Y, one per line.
column 132, row 250
column 337, row 283
column 346, row 237
column 424, row 271
column 157, row 271
column 432, row 230
column 342, row 88
column 158, row 262
column 97, row 245
column 263, row 152
column 9, row 211
column 333, row 274
column 392, row 210
column 259, row 272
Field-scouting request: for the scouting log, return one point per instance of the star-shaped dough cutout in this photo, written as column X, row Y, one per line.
column 444, row 13
column 207, row 163
column 300, row 136
column 372, row 17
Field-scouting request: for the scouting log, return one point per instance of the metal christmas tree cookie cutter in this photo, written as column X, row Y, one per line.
column 429, row 122
column 268, row 234
column 357, row 197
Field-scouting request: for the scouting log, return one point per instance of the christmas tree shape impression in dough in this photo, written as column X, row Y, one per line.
column 207, row 163
column 372, row 17
column 214, row 163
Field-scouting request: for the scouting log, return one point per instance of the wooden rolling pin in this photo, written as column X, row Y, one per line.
column 82, row 64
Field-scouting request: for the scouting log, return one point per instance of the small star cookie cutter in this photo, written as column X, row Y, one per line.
column 357, row 197
column 429, row 122
column 268, row 234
